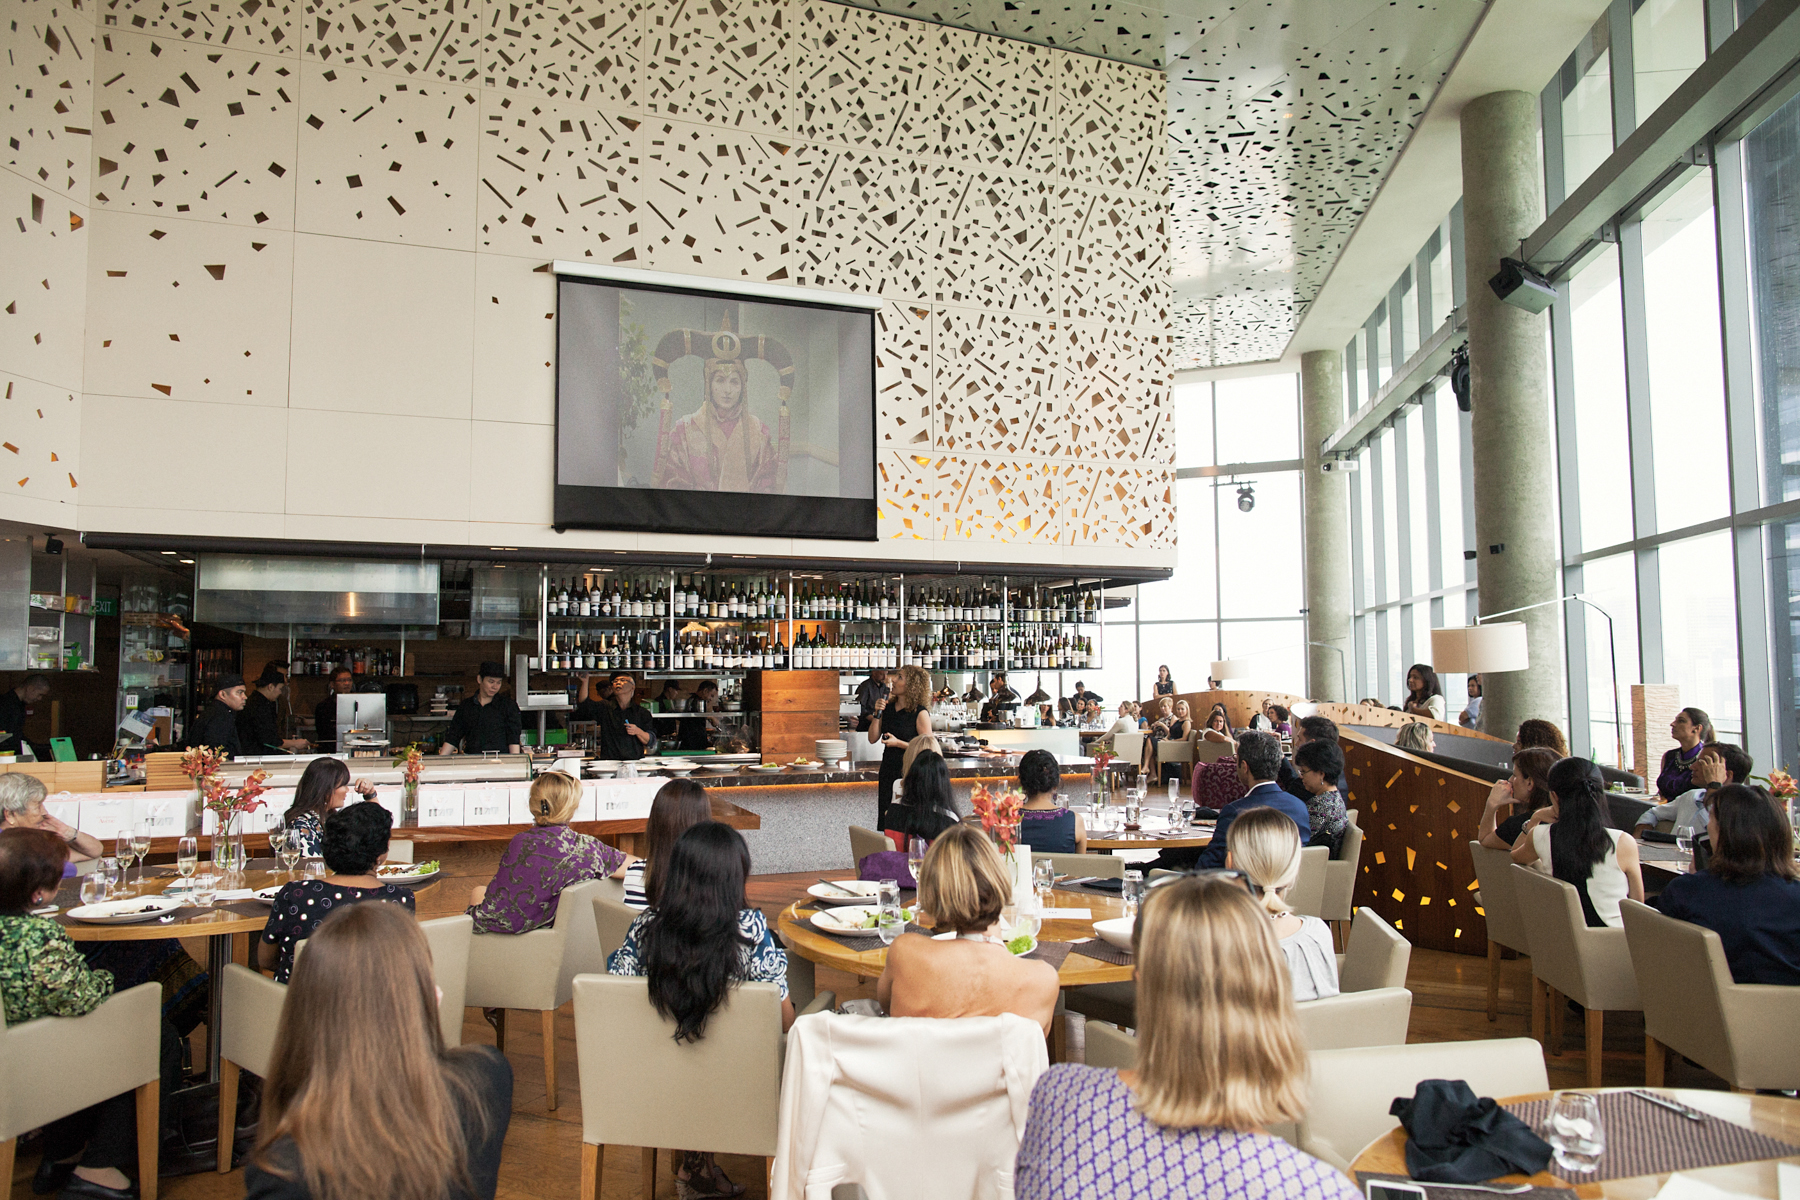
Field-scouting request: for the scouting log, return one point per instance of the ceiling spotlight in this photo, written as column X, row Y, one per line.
column 52, row 544
column 1246, row 498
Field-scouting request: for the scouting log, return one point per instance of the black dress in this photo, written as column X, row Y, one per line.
column 12, row 720
column 903, row 723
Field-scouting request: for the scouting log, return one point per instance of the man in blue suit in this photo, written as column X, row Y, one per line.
column 1259, row 762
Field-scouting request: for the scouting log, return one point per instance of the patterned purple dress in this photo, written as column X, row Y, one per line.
column 1085, row 1141
column 537, row 866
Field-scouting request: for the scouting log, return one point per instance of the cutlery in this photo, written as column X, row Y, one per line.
column 1498, row 1189
column 1661, row 1102
column 839, row 887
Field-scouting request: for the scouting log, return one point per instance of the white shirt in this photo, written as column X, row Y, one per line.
column 1607, row 882
column 1312, row 960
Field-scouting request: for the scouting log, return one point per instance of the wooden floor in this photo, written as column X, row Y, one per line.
column 543, row 1148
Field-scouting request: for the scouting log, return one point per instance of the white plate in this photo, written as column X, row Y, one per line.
column 806, row 764
column 767, row 768
column 1116, row 932
column 846, row 918
column 866, row 890
column 677, row 768
column 131, row 910
column 267, row 895
column 719, row 766
column 408, row 878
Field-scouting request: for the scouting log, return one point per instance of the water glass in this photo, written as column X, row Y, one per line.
column 206, row 889
column 889, row 923
column 1174, row 794
column 108, row 871
column 1030, row 916
column 315, row 868
column 1573, row 1130
column 93, row 888
column 1043, row 871
column 888, row 893
column 1133, row 891
column 187, row 856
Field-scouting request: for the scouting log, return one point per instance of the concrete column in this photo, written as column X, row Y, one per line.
column 1515, row 488
column 1327, row 507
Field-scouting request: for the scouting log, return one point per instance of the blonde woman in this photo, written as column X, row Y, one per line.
column 1219, row 1060
column 965, row 970
column 1264, row 844
column 896, row 721
column 359, row 1034
column 539, row 863
column 1415, row 736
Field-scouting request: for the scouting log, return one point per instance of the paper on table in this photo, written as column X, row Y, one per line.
column 236, row 894
column 1686, row 1187
column 1787, row 1181
column 1068, row 914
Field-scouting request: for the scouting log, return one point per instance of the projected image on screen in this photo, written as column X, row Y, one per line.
column 662, row 391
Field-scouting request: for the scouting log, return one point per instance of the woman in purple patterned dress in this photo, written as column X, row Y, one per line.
column 1219, row 1060
column 542, row 861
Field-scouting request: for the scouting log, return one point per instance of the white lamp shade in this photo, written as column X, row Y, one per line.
column 1230, row 668
column 1480, row 649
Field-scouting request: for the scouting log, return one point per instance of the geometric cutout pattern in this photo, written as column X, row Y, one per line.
column 183, row 129
column 994, row 102
column 43, row 283
column 995, row 500
column 558, row 180
column 904, row 491
column 1118, row 394
column 903, row 382
column 47, row 79
column 996, row 243
column 719, row 62
column 864, row 81
column 1113, row 260
column 40, row 440
column 384, row 158
column 262, row 25
column 581, row 50
column 999, row 384
column 1112, row 504
column 1114, row 124
column 718, row 198
column 870, row 221
column 435, row 39
column 1124, row 32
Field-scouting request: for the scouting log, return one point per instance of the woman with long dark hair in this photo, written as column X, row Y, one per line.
column 1576, row 846
column 1424, row 694
column 927, row 803
column 323, row 786
column 1165, row 682
column 1526, row 791
column 360, row 1035
column 1692, row 729
column 699, row 938
column 1218, row 725
column 680, row 804
column 1749, row 893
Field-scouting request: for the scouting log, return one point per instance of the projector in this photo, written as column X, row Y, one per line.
column 1520, row 286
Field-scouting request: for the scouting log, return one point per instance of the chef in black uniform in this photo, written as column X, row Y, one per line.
column 15, row 706
column 1000, row 695
column 217, row 723
column 486, row 722
column 259, row 723
column 325, row 712
column 626, row 729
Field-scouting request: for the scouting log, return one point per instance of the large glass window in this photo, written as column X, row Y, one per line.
column 1258, row 419
column 1192, row 592
column 1668, row 40
column 1687, row 373
column 1409, row 318
column 1449, row 496
column 1443, row 291
column 1602, row 433
column 1611, row 583
column 1389, row 564
column 1772, row 187
column 1383, row 349
column 1265, row 575
column 1587, row 120
column 1193, row 425
column 1699, row 626
column 1419, row 545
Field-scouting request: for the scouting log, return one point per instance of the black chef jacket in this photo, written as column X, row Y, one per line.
column 259, row 726
column 479, row 728
column 216, row 726
column 614, row 741
column 12, row 719
column 325, row 723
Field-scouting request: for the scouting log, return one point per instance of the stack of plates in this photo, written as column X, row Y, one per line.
column 832, row 749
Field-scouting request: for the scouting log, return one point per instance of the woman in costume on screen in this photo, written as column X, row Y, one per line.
column 721, row 446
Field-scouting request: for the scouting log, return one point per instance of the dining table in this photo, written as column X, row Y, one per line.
column 1775, row 1117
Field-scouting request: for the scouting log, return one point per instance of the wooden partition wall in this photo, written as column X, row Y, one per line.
column 1375, row 714
column 1418, row 819
column 1240, row 706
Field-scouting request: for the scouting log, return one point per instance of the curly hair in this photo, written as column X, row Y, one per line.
column 355, row 838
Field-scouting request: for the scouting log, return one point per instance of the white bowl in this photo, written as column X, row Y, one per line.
column 1116, row 932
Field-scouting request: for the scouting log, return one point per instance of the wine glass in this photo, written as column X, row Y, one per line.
column 1573, row 1129
column 915, row 856
column 290, row 852
column 187, row 856
column 141, row 840
column 127, row 850
column 278, row 840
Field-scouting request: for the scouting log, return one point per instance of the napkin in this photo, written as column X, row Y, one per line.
column 1686, row 1187
column 1454, row 1137
column 236, row 894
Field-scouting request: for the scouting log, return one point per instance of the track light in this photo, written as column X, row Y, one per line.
column 1246, row 498
column 52, row 544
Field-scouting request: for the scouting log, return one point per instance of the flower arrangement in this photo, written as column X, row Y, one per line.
column 202, row 762
column 999, row 814
column 1101, row 757
column 1780, row 783
column 227, row 803
column 411, row 760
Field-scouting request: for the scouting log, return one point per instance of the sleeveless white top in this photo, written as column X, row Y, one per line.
column 1312, row 960
column 1607, row 883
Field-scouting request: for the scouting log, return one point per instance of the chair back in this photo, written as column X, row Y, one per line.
column 1352, row 1089
column 1682, row 977
column 720, row 1093
column 864, row 842
column 1128, row 746
column 1106, row 866
column 1175, row 750
column 1206, row 750
column 534, row 970
column 1499, row 898
column 1340, row 875
column 250, row 1016
column 1307, row 895
column 449, row 940
column 940, row 1104
column 1377, row 1017
column 613, row 919
column 1110, row 1046
column 1590, row 966
column 1376, row 956
column 55, row 1066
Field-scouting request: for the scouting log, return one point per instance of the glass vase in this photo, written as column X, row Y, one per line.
column 228, row 853
column 409, row 802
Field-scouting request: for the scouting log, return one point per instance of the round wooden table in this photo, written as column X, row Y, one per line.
column 1076, row 970
column 1147, row 839
column 1774, row 1116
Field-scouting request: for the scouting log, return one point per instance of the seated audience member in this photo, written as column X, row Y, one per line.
column 1126, row 722
column 1218, row 725
column 1319, row 763
column 1692, row 730
column 538, row 864
column 680, row 804
column 1415, row 736
column 925, row 804
column 1309, row 729
column 698, row 939
column 323, row 788
column 1220, row 1059
column 362, row 1097
column 1470, row 716
column 1575, row 846
column 1526, row 791
column 1217, row 783
column 1279, row 723
column 965, row 970
column 1719, row 763
column 355, row 843
column 1539, row 732
column 1265, row 846
column 1749, row 893
column 91, row 1153
column 1259, row 760
column 22, row 807
column 1043, row 824
column 1158, row 729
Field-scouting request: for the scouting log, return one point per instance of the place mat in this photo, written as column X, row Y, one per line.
column 860, row 942
column 1084, row 890
column 1646, row 1139
column 1449, row 1191
column 1104, row 951
column 1052, row 953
